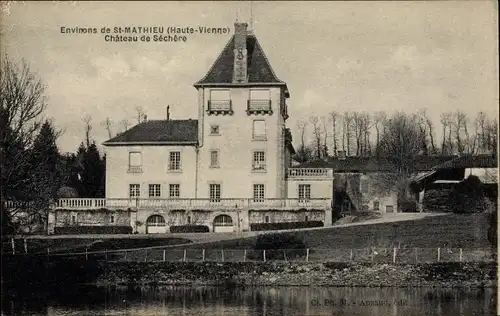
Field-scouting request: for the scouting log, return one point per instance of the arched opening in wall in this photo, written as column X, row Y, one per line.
column 223, row 224
column 155, row 224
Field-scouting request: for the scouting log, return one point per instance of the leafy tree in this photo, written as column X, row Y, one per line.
column 92, row 171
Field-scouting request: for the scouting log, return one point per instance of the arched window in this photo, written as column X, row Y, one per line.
column 156, row 220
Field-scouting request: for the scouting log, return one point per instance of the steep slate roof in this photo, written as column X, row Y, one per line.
column 259, row 69
column 159, row 132
column 371, row 164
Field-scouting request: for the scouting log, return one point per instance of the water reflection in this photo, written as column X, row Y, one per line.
column 167, row 301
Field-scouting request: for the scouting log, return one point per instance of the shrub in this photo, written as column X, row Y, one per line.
column 468, row 196
column 189, row 229
column 73, row 230
column 408, row 207
column 275, row 244
column 285, row 225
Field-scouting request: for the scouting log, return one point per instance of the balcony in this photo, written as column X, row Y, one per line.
column 220, row 107
column 310, row 173
column 194, row 204
column 259, row 107
column 134, row 169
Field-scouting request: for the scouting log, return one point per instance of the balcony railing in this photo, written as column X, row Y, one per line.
column 259, row 107
column 194, row 204
column 310, row 173
column 220, row 107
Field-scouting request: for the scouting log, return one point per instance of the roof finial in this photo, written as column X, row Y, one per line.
column 236, row 17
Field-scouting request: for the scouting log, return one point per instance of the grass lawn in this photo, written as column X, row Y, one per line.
column 451, row 231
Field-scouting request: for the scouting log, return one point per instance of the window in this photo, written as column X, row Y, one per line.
column 214, row 192
column 259, row 161
column 175, row 161
column 266, row 219
column 260, row 94
column 258, row 193
column 214, row 130
column 73, row 218
column 134, row 191
column 364, row 186
column 220, row 101
column 189, row 220
column 376, row 206
column 154, row 190
column 112, row 219
column 134, row 162
column 389, row 209
column 307, row 218
column 259, row 101
column 174, row 190
column 304, row 192
column 220, row 95
column 259, row 130
column 214, row 159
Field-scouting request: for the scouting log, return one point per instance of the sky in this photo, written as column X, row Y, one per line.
column 340, row 55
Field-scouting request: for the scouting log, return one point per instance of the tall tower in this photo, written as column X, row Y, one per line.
column 242, row 114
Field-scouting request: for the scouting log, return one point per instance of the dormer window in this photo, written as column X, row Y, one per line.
column 259, row 102
column 220, row 102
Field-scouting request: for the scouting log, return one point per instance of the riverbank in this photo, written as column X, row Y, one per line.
column 480, row 275
column 61, row 272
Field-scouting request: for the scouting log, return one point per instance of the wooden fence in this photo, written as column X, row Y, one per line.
column 177, row 254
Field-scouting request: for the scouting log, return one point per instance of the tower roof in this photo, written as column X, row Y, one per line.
column 260, row 71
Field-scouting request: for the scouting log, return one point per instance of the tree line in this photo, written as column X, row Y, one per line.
column 365, row 134
column 33, row 171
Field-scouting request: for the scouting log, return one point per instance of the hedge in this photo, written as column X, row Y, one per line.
column 285, row 225
column 189, row 229
column 70, row 230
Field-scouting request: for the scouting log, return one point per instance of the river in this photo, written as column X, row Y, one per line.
column 265, row 301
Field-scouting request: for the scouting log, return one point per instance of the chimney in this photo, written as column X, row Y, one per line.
column 341, row 154
column 240, row 53
column 168, row 112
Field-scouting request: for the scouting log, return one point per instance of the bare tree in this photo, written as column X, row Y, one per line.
column 334, row 117
column 347, row 132
column 22, row 105
column 491, row 138
column 357, row 127
column 303, row 153
column 430, row 129
column 401, row 143
column 379, row 123
column 446, row 145
column 366, row 125
column 324, row 147
column 108, row 124
column 22, row 100
column 22, row 151
column 317, row 136
column 125, row 124
column 481, row 124
column 140, row 114
column 87, row 120
column 459, row 125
